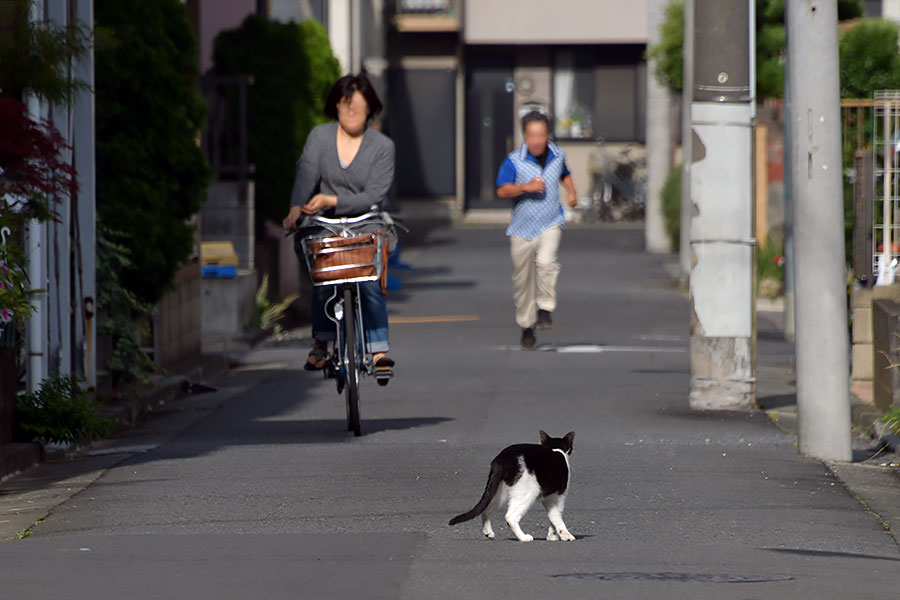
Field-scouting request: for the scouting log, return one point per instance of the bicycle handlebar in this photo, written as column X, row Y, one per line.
column 342, row 224
column 340, row 220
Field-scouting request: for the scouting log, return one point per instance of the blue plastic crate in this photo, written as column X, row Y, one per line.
column 219, row 271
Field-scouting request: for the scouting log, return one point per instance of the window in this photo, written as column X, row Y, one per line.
column 599, row 91
column 573, row 92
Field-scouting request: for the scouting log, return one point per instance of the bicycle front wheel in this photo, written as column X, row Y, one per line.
column 352, row 356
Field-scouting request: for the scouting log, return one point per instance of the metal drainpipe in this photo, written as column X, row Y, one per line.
column 36, row 248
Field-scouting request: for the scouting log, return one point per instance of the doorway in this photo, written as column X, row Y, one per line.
column 489, row 127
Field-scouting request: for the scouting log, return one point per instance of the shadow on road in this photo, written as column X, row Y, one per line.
column 828, row 554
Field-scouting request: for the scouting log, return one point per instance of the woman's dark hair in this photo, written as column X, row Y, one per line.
column 535, row 116
column 345, row 87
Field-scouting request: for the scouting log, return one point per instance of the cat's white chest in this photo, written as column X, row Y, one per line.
column 568, row 467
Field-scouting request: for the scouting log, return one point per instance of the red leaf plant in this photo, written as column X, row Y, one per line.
column 32, row 172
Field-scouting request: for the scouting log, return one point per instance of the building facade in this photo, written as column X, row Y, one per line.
column 461, row 74
column 457, row 75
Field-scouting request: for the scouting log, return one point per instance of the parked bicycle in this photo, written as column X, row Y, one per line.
column 340, row 256
column 618, row 185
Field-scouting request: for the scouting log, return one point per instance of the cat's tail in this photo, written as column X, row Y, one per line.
column 490, row 490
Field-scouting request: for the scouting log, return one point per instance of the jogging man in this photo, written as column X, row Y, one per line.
column 531, row 176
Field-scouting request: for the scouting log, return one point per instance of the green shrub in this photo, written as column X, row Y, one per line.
column 151, row 173
column 123, row 315
column 671, row 201
column 61, row 412
column 293, row 68
column 266, row 315
column 767, row 266
column 892, row 419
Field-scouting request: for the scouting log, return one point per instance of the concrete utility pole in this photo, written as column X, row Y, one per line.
column 822, row 345
column 723, row 369
column 684, row 240
column 659, row 134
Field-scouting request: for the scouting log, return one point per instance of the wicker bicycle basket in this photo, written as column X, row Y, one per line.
column 337, row 259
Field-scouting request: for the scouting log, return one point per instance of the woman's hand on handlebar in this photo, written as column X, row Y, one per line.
column 290, row 221
column 315, row 204
column 318, row 202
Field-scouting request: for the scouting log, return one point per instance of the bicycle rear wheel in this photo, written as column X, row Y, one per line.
column 353, row 364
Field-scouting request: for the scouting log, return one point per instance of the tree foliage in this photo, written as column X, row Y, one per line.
column 35, row 56
column 869, row 59
column 32, row 171
column 124, row 316
column 151, row 173
column 770, row 40
column 292, row 68
column 668, row 53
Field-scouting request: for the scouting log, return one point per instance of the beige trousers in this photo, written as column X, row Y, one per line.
column 535, row 271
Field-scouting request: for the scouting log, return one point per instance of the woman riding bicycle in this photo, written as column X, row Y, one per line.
column 346, row 170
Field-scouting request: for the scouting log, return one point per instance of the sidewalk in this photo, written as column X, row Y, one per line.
column 164, row 388
column 874, row 475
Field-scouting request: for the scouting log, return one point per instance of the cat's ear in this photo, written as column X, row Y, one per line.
column 570, row 441
column 544, row 437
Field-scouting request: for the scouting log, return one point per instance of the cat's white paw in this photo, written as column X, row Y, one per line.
column 488, row 534
column 527, row 538
column 551, row 535
column 566, row 536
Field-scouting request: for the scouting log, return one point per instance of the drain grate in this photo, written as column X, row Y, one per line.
column 684, row 577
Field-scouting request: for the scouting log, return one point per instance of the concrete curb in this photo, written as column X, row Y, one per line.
column 15, row 458
column 166, row 389
column 862, row 416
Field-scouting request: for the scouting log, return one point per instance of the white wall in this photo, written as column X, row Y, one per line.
column 556, row 21
column 340, row 32
column 890, row 9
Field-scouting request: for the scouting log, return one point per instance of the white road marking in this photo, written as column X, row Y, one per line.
column 594, row 348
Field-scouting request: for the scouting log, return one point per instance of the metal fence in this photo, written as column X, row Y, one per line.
column 886, row 200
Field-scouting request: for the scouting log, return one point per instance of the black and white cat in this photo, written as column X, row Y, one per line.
column 521, row 474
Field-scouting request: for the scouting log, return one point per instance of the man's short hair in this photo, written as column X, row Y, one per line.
column 345, row 87
column 535, row 116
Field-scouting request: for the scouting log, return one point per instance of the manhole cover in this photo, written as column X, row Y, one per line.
column 692, row 577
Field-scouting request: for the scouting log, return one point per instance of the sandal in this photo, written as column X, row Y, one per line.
column 383, row 370
column 316, row 359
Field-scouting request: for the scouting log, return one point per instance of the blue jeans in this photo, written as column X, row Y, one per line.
column 374, row 311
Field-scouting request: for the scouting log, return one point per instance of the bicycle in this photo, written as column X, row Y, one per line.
column 343, row 258
column 618, row 186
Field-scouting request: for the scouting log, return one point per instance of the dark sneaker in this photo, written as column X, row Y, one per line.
column 544, row 321
column 528, row 339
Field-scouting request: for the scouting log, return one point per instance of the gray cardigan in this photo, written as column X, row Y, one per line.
column 364, row 182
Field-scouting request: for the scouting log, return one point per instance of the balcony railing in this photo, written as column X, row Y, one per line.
column 427, row 16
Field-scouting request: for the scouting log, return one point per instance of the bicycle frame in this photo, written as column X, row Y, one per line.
column 339, row 358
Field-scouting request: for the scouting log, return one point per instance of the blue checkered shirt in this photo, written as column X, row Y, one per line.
column 533, row 213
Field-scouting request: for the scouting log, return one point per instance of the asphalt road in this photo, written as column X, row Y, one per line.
column 258, row 491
